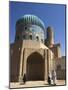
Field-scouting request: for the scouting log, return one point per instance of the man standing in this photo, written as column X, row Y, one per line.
column 54, row 77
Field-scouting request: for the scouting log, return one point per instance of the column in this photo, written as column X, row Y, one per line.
column 21, row 65
column 45, row 58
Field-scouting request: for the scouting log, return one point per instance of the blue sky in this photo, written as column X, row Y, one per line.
column 51, row 14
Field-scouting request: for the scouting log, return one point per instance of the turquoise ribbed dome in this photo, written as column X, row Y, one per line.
column 31, row 19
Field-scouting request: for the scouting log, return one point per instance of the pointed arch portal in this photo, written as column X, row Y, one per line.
column 35, row 67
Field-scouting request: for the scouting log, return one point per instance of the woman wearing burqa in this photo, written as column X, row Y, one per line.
column 24, row 78
column 49, row 78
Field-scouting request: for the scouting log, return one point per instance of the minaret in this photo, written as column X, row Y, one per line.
column 50, row 42
column 50, row 37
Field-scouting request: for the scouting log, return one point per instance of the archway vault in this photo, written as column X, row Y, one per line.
column 35, row 67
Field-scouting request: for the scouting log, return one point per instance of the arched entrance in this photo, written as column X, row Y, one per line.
column 35, row 67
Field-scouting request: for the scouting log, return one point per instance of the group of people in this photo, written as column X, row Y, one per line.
column 52, row 78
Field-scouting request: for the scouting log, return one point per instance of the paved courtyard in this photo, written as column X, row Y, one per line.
column 34, row 84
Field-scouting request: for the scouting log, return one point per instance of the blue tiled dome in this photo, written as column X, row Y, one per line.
column 31, row 19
